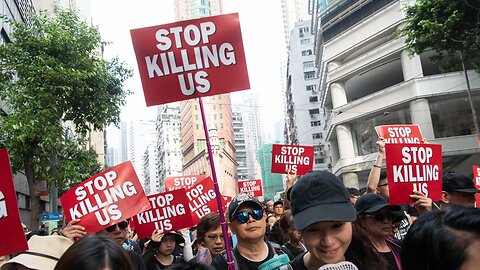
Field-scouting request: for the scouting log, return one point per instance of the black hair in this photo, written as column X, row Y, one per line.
column 277, row 203
column 210, row 221
column 39, row 232
column 383, row 175
column 439, row 239
column 191, row 265
column 95, row 252
column 286, row 222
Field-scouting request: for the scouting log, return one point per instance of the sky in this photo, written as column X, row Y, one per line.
column 262, row 33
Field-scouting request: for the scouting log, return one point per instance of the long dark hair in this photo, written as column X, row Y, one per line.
column 95, row 252
column 361, row 251
column 439, row 239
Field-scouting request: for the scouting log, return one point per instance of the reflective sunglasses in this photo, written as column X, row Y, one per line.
column 381, row 216
column 121, row 226
column 242, row 217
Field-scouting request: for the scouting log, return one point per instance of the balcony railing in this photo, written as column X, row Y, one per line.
column 26, row 7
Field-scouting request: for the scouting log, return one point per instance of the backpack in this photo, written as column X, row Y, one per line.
column 277, row 249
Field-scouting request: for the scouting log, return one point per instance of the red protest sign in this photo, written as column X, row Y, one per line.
column 178, row 182
column 294, row 158
column 191, row 59
column 226, row 201
column 414, row 167
column 13, row 240
column 169, row 212
column 251, row 187
column 476, row 180
column 202, row 199
column 106, row 198
column 400, row 133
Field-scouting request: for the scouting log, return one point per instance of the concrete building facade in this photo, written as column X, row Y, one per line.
column 368, row 79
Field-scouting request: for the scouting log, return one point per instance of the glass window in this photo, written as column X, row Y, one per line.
column 311, row 87
column 306, row 52
column 309, row 75
column 308, row 64
column 305, row 41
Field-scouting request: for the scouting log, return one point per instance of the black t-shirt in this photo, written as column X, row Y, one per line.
column 137, row 262
column 298, row 263
column 388, row 256
column 292, row 251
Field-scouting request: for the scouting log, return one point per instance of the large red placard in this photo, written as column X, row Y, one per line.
column 169, row 212
column 476, row 180
column 106, row 198
column 292, row 158
column 191, row 59
column 400, row 133
column 414, row 167
column 178, row 182
column 13, row 239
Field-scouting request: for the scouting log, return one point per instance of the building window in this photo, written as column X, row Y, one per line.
column 221, row 125
column 314, row 111
column 313, row 99
column 311, row 87
column 305, row 41
column 303, row 30
column 308, row 64
column 197, row 126
column 221, row 116
column 196, row 108
column 317, row 135
column 315, row 123
column 214, row 107
column 219, row 106
column 306, row 52
column 309, row 75
column 319, row 160
column 214, row 117
column 196, row 116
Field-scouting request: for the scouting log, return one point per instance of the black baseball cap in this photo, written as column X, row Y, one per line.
column 353, row 191
column 371, row 203
column 320, row 196
column 242, row 199
column 178, row 237
column 458, row 182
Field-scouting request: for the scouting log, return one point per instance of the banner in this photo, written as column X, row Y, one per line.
column 186, row 182
column 294, row 158
column 13, row 238
column 400, row 133
column 105, row 199
column 169, row 212
column 191, row 59
column 476, row 180
column 414, row 167
column 202, row 199
column 250, row 187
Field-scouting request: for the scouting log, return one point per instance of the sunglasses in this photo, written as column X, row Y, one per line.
column 121, row 226
column 381, row 216
column 242, row 217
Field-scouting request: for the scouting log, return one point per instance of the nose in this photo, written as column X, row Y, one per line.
column 219, row 240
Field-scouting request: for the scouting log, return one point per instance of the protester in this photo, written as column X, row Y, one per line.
column 43, row 253
column 247, row 221
column 446, row 239
column 375, row 217
column 458, row 189
column 322, row 211
column 159, row 250
column 210, row 237
column 354, row 194
column 275, row 234
column 269, row 209
column 130, row 243
column 293, row 247
column 117, row 231
column 190, row 265
column 95, row 252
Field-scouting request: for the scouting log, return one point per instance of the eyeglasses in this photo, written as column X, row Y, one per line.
column 381, row 216
column 214, row 237
column 242, row 217
column 121, row 226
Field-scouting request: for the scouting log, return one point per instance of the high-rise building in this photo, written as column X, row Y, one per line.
column 123, row 142
column 305, row 123
column 293, row 11
column 272, row 182
column 219, row 118
column 141, row 135
column 112, row 157
column 151, row 184
column 169, row 154
column 240, row 144
column 367, row 79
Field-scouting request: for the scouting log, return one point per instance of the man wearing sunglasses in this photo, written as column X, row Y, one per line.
column 117, row 231
column 247, row 221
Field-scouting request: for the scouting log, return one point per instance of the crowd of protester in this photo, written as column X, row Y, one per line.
column 319, row 224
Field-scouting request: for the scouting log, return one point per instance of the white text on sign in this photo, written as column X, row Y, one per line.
column 3, row 206
column 161, row 212
column 420, row 172
column 400, row 135
column 291, row 156
column 165, row 63
column 105, row 194
column 199, row 199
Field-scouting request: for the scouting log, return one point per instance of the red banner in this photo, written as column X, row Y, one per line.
column 170, row 212
column 476, row 180
column 202, row 199
column 250, row 187
column 106, row 198
column 294, row 158
column 414, row 167
column 13, row 238
column 400, row 133
column 191, row 59
column 178, row 182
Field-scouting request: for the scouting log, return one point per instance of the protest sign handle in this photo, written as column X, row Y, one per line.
column 230, row 263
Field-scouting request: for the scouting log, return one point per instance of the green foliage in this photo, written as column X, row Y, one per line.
column 445, row 27
column 53, row 72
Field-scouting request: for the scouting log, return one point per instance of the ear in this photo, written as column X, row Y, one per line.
column 445, row 197
column 232, row 228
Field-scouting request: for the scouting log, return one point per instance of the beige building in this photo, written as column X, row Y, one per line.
column 218, row 111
